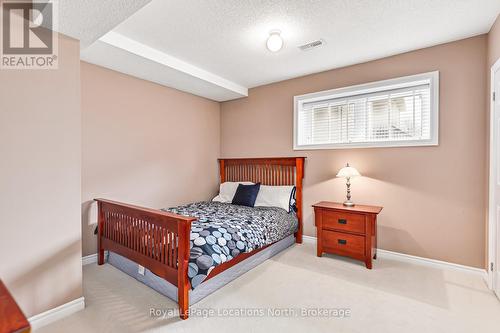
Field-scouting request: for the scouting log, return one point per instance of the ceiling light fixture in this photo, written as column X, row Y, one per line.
column 274, row 41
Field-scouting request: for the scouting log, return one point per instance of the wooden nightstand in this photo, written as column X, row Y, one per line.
column 347, row 231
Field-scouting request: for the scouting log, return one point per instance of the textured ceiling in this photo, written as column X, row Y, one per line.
column 88, row 20
column 227, row 37
column 216, row 48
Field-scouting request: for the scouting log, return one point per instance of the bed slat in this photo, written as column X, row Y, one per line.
column 274, row 171
column 146, row 232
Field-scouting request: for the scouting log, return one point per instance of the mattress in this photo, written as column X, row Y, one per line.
column 207, row 287
column 223, row 231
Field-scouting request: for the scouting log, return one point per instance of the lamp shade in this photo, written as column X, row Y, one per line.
column 348, row 172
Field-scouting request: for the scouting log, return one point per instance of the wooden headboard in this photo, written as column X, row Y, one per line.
column 267, row 171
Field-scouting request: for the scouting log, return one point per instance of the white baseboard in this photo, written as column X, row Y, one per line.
column 419, row 260
column 429, row 262
column 92, row 259
column 57, row 313
column 309, row 239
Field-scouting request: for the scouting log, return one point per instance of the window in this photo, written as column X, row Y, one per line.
column 390, row 113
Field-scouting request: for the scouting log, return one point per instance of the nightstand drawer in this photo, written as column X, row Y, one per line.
column 343, row 221
column 342, row 243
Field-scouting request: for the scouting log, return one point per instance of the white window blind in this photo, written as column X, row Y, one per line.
column 394, row 112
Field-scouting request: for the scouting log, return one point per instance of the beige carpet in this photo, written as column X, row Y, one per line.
column 393, row 297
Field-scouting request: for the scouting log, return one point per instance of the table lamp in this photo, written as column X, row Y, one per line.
column 347, row 172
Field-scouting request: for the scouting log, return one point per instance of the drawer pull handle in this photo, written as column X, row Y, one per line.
column 342, row 241
column 342, row 221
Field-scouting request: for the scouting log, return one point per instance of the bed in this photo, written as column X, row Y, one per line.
column 164, row 242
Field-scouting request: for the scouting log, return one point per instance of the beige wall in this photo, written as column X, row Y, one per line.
column 144, row 144
column 494, row 43
column 40, row 149
column 433, row 197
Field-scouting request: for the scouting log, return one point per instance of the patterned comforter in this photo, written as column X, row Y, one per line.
column 223, row 231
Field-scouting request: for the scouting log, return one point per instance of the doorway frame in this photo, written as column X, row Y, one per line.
column 492, row 227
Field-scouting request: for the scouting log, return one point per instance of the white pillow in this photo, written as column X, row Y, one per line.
column 274, row 196
column 227, row 191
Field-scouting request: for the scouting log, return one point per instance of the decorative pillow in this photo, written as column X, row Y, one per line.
column 227, row 191
column 276, row 196
column 293, row 201
column 246, row 195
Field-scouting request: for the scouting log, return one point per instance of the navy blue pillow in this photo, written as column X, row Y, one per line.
column 246, row 195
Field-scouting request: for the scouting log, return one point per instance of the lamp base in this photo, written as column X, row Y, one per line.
column 348, row 203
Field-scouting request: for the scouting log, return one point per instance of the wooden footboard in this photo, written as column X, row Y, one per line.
column 157, row 240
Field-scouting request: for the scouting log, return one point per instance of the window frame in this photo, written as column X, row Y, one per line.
column 431, row 78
